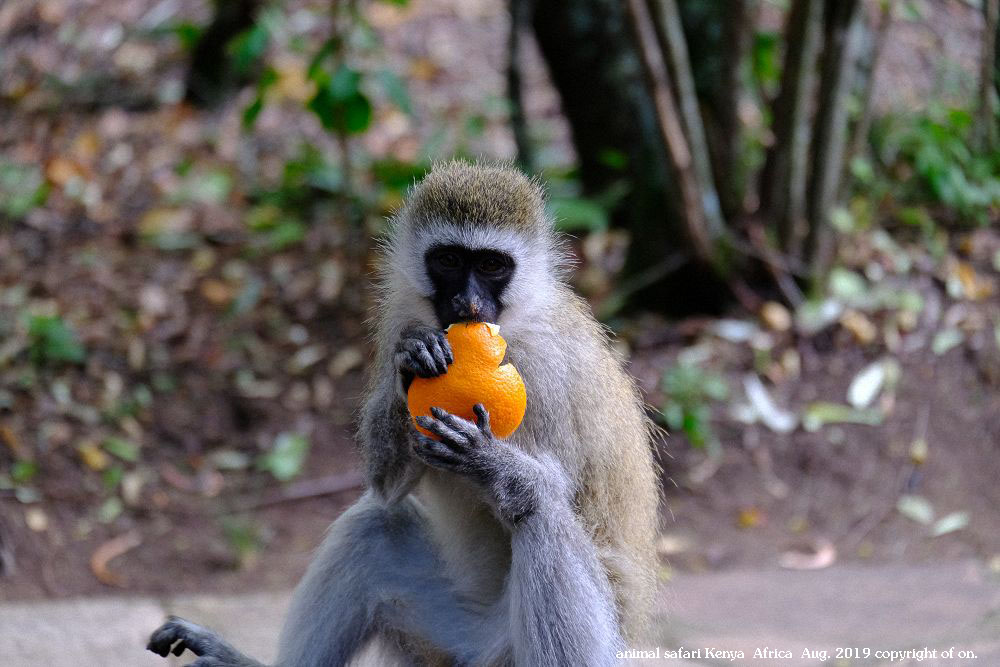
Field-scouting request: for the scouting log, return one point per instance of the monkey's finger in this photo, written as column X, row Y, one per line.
column 456, row 423
column 163, row 638
column 482, row 418
column 415, row 357
column 440, row 429
column 446, row 347
column 435, row 453
column 441, row 362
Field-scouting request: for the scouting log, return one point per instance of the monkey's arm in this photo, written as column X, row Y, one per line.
column 385, row 421
column 561, row 605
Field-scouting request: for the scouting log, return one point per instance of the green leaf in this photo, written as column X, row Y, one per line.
column 338, row 112
column 764, row 56
column 53, row 341
column 23, row 471
column 248, row 47
column 286, row 457
column 22, row 188
column 395, row 89
column 124, row 449
column 187, row 34
column 110, row 509
column 397, row 174
column 345, row 83
column 251, row 112
column 285, row 233
column 112, row 477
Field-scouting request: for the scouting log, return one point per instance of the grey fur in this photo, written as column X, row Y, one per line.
column 532, row 550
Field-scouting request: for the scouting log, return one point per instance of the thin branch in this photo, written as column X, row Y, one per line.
column 667, row 115
column 783, row 181
column 864, row 124
column 675, row 49
column 829, row 137
column 308, row 488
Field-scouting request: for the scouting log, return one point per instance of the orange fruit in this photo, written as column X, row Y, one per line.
column 476, row 376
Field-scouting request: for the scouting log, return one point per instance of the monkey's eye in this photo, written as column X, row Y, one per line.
column 449, row 261
column 492, row 266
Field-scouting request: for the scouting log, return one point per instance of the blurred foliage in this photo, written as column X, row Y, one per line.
column 286, row 457
column 22, row 188
column 927, row 168
column 690, row 390
column 53, row 341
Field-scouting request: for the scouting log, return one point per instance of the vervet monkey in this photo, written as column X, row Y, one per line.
column 532, row 550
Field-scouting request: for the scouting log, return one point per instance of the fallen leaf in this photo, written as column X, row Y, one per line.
column 775, row 316
column 946, row 340
column 110, row 550
column 13, row 442
column 862, row 328
column 820, row 413
column 734, row 331
column 775, row 418
column 750, row 517
column 216, row 292
column 92, row 455
column 974, row 286
column 950, row 523
column 866, row 385
column 37, row 519
column 346, row 360
column 917, row 508
column 815, row 556
column 812, row 316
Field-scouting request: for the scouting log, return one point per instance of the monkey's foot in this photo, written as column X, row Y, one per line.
column 178, row 635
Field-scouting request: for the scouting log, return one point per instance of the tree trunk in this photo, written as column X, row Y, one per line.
column 841, row 21
column 730, row 173
column 595, row 64
column 783, row 181
column 862, row 128
column 211, row 77
column 985, row 129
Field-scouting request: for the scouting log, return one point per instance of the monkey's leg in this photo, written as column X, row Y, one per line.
column 558, row 598
column 378, row 572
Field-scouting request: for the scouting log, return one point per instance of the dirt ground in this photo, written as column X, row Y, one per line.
column 191, row 524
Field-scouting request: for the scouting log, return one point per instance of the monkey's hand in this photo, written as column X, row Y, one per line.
column 422, row 351
column 513, row 480
column 176, row 635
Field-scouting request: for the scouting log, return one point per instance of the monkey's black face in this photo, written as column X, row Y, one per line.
column 467, row 283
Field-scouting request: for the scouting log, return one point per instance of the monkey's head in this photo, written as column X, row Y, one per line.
column 473, row 242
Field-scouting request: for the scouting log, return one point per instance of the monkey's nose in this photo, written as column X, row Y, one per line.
column 466, row 308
